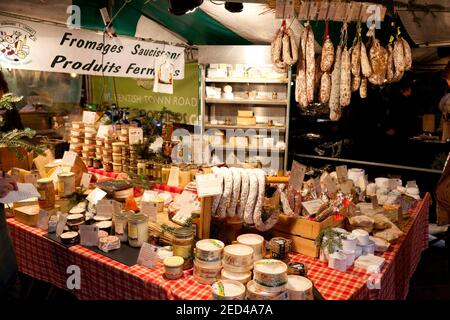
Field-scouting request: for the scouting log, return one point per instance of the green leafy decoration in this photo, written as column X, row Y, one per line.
column 329, row 239
column 8, row 100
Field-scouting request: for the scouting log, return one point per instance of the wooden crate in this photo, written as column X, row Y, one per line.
column 301, row 245
column 304, row 228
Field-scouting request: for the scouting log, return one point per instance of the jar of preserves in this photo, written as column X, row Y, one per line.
column 97, row 164
column 121, row 225
column 149, row 170
column 46, row 190
column 157, row 169
column 165, row 170
column 183, row 244
column 141, row 167
column 137, row 230
column 109, row 167
column 185, row 177
column 66, row 184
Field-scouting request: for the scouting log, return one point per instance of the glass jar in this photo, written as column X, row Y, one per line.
column 149, row 172
column 157, row 169
column 185, row 177
column 90, row 162
column 141, row 167
column 137, row 230
column 46, row 190
column 121, row 225
column 109, row 167
column 97, row 164
column 194, row 170
column 183, row 244
column 66, row 184
column 165, row 170
column 173, row 267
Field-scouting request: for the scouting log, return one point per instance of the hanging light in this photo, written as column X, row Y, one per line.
column 180, row 7
column 234, row 6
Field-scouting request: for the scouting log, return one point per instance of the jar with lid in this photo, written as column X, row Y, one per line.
column 149, row 172
column 97, row 164
column 90, row 162
column 185, row 176
column 157, row 167
column 46, row 190
column 165, row 170
column 109, row 167
column 183, row 243
column 194, row 170
column 137, row 230
column 66, row 184
column 121, row 225
column 173, row 267
column 141, row 167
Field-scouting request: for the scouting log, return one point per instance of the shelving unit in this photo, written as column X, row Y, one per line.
column 263, row 86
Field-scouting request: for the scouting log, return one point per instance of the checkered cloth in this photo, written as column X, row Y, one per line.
column 104, row 278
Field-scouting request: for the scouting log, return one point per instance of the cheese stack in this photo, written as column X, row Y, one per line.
column 89, row 146
column 124, row 133
column 270, row 275
column 77, row 137
column 237, row 263
column 107, row 149
column 208, row 260
column 246, row 118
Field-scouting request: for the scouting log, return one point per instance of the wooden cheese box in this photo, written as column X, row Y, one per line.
column 28, row 215
column 300, row 245
column 304, row 228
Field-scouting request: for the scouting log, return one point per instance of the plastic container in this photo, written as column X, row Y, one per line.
column 270, row 275
column 205, row 275
column 228, row 290
column 138, row 230
column 173, row 267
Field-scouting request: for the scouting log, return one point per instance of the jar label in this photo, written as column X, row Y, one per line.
column 182, row 251
column 133, row 232
column 42, row 194
column 61, row 187
column 119, row 228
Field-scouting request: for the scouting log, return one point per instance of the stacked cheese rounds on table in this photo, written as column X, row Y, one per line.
column 269, row 280
column 208, row 260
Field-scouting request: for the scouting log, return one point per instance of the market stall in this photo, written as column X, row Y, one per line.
column 147, row 204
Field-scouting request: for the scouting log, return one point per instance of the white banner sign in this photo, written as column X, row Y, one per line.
column 37, row 46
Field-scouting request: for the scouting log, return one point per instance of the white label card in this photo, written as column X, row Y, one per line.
column 42, row 220
column 136, row 135
column 96, row 195
column 297, row 176
column 108, row 207
column 208, row 185
column 313, row 206
column 89, row 117
column 24, row 191
column 69, row 158
column 86, row 180
column 150, row 209
column 342, row 174
column 174, row 176
column 89, row 235
column 103, row 130
column 148, row 255
column 62, row 219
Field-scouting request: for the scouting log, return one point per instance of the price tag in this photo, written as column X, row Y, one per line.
column 136, row 135
column 312, row 206
column 150, row 209
column 330, row 185
column 85, row 180
column 347, row 186
column 96, row 195
column 31, row 178
column 69, row 158
column 174, row 176
column 89, row 117
column 42, row 220
column 297, row 176
column 89, row 235
column 108, row 207
column 342, row 174
column 208, row 185
column 62, row 219
column 148, row 255
column 411, row 184
column 103, row 130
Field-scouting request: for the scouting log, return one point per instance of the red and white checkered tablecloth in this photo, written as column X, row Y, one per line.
column 104, row 278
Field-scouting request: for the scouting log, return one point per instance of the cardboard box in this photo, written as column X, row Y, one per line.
column 300, row 245
column 304, row 228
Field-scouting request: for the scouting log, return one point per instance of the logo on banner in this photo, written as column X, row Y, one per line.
column 14, row 42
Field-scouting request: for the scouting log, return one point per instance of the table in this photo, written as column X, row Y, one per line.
column 104, row 278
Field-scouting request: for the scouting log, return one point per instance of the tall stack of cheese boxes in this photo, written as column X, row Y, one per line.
column 246, row 118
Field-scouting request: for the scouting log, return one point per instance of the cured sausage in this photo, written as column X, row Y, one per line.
column 356, row 82
column 407, row 53
column 325, row 88
column 356, row 59
column 226, row 195
column 252, row 196
column 366, row 69
column 293, row 46
column 390, row 64
column 310, row 65
column 327, row 56
column 245, row 187
column 346, row 79
column 216, row 199
column 236, row 174
column 363, row 88
column 378, row 61
column 399, row 57
column 261, row 225
column 335, row 112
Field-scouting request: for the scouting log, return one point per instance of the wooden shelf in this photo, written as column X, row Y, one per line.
column 223, row 126
column 244, row 80
column 236, row 148
column 273, row 102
